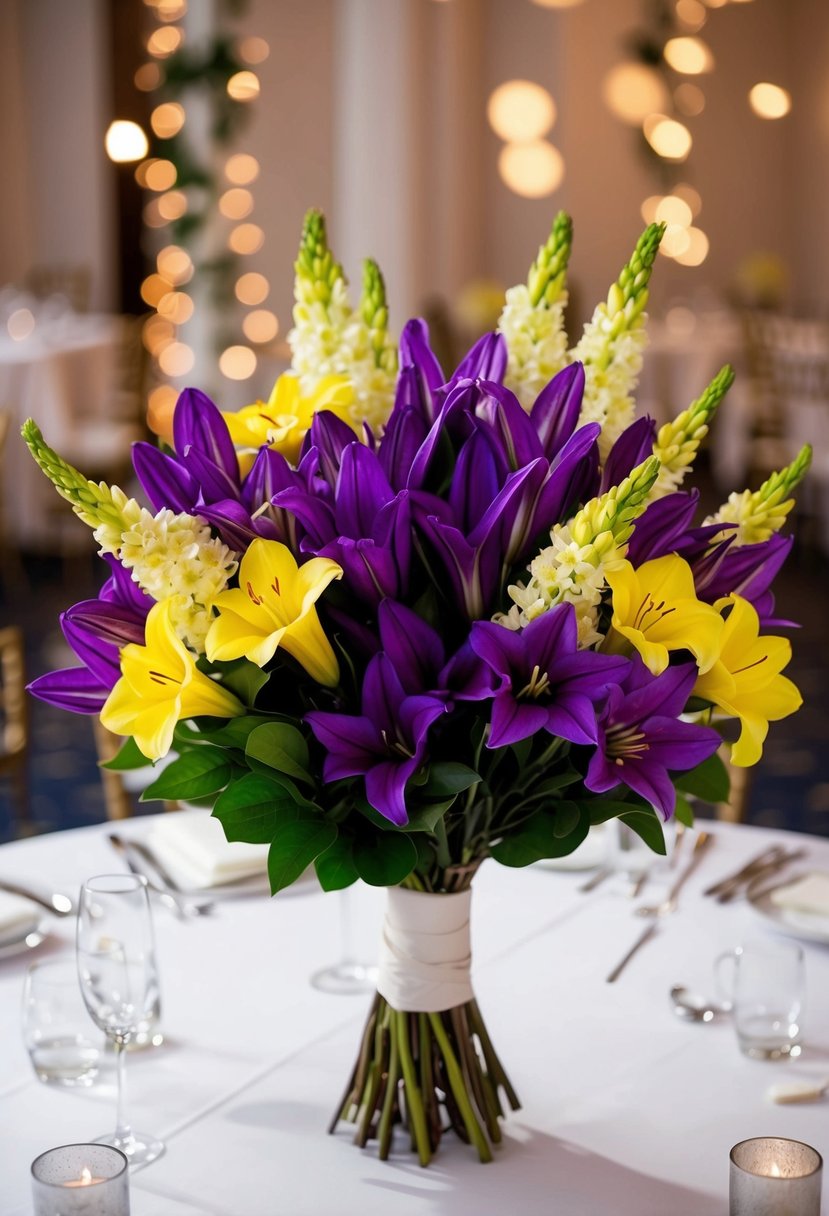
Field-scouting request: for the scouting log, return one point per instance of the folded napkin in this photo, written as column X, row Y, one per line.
column 17, row 916
column 192, row 844
column 808, row 894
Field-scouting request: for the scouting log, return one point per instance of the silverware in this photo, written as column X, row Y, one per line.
column 593, row 882
column 681, row 835
column 668, row 904
column 637, row 945
column 140, row 862
column 767, row 857
column 761, row 875
column 57, row 904
column 637, row 885
column 695, row 1008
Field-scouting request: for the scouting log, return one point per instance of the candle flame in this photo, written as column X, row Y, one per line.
column 775, row 1171
column 86, row 1176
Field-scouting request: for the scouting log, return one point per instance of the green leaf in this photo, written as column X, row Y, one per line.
column 425, row 818
column 283, row 780
column 196, row 774
column 335, row 867
column 235, row 732
column 708, row 781
column 558, row 781
column 254, row 808
column 384, row 859
column 129, row 757
column 282, row 747
column 295, row 846
column 647, row 825
column 684, row 812
column 567, row 815
column 449, row 777
column 244, row 678
column 602, row 809
column 537, row 839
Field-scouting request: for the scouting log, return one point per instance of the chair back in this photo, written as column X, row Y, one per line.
column 13, row 700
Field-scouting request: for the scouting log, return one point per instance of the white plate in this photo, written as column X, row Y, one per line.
column 809, row 926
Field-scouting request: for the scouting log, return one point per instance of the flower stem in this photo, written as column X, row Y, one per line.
column 414, row 1100
column 459, row 1093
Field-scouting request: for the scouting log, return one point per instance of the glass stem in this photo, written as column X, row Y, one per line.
column 123, row 1131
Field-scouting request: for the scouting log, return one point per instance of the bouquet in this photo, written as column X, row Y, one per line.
column 394, row 622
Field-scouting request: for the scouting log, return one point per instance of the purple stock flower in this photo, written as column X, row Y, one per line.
column 546, row 683
column 641, row 739
column 386, row 744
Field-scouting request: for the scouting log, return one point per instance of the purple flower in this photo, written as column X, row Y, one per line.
column 386, row 744
column 641, row 739
column 96, row 630
column 546, row 683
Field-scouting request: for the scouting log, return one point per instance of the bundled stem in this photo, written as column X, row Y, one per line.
column 428, row 1072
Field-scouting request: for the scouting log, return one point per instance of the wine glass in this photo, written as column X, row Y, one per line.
column 119, row 984
column 348, row 976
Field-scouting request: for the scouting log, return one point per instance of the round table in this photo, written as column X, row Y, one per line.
column 627, row 1109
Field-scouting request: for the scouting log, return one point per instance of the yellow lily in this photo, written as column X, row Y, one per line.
column 282, row 420
column 746, row 683
column 274, row 606
column 160, row 685
column 656, row 609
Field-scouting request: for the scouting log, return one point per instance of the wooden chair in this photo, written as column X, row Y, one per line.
column 734, row 810
column 13, row 577
column 14, row 731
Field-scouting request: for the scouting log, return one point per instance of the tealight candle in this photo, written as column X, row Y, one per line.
column 770, row 1176
column 81, row 1180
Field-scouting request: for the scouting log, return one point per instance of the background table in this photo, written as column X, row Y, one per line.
column 63, row 371
column 627, row 1109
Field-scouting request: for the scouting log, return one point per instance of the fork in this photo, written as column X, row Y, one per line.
column 134, row 852
column 668, row 904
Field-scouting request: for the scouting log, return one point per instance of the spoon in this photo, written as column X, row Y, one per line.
column 693, row 1007
column 57, row 904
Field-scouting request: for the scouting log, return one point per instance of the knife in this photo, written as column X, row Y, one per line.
column 637, row 945
column 131, row 857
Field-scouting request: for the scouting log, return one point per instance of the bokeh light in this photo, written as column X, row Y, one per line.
column 532, row 170
column 177, row 359
column 261, row 326
column 697, row 250
column 237, row 362
column 20, row 324
column 669, row 139
column 176, row 306
column 155, row 174
column 174, row 264
column 241, row 168
column 167, row 119
column 675, row 241
column 673, row 210
column 769, row 100
column 164, row 41
column 125, row 142
column 648, row 208
column 689, row 195
column 252, row 288
column 246, row 239
column 691, row 14
column 153, row 288
column 172, row 205
column 253, row 50
column 236, row 203
column 161, row 404
column 156, row 332
column 520, row 110
column 632, row 91
column 243, row 86
column 688, row 55
column 689, row 99
column 148, row 77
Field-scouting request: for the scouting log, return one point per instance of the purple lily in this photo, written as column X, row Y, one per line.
column 641, row 739
column 96, row 630
column 386, row 744
column 418, row 655
column 746, row 570
column 633, row 446
column 555, row 413
column 546, row 682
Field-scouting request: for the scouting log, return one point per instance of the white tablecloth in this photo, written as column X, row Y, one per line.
column 626, row 1110
column 63, row 371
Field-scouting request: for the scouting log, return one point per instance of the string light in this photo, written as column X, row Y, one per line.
column 520, row 110
column 669, row 139
column 632, row 91
column 252, row 288
column 125, row 141
column 244, row 86
column 246, row 239
column 242, row 169
column 236, row 203
column 164, row 41
column 176, row 360
column 261, row 326
column 237, row 363
column 690, row 56
column 769, row 100
column 532, row 170
column 167, row 119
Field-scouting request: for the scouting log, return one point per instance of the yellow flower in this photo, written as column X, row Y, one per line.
column 282, row 420
column 274, row 606
column 160, row 685
column 655, row 607
column 746, row 683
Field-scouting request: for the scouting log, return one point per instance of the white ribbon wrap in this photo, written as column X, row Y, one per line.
column 425, row 953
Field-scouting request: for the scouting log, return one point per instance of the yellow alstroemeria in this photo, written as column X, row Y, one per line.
column 282, row 420
column 160, row 685
column 274, row 606
column 746, row 683
column 656, row 609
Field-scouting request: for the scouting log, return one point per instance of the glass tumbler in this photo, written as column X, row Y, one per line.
column 64, row 1047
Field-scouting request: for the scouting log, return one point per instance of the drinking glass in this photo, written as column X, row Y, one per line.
column 63, row 1047
column 348, row 976
column 118, row 978
column 766, row 990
